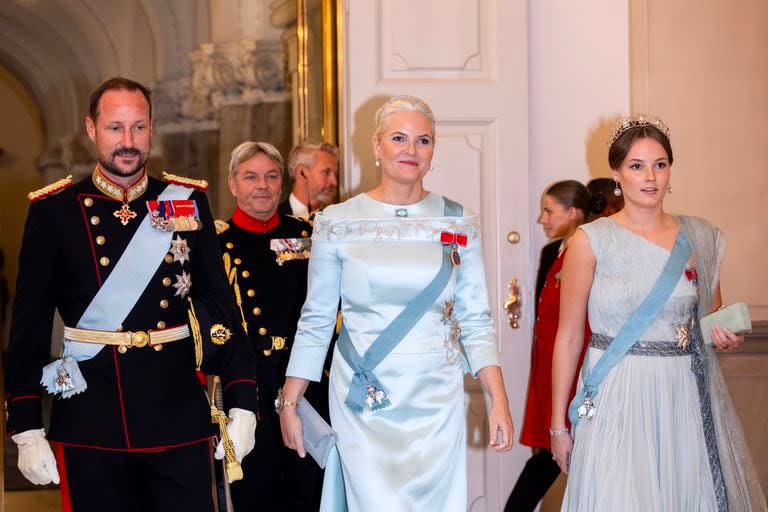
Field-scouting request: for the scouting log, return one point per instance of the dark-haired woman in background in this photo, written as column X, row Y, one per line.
column 565, row 206
column 606, row 188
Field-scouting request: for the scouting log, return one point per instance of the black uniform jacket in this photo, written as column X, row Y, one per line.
column 272, row 293
column 143, row 399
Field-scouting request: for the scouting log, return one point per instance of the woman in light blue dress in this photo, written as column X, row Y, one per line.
column 402, row 428
column 660, row 434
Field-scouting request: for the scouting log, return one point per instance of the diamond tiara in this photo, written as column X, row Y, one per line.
column 625, row 123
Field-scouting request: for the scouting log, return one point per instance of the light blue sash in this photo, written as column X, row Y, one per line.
column 117, row 296
column 365, row 388
column 634, row 328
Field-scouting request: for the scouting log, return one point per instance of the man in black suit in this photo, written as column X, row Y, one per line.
column 314, row 169
column 121, row 255
column 265, row 257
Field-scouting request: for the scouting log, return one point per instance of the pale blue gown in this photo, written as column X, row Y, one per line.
column 410, row 456
column 646, row 448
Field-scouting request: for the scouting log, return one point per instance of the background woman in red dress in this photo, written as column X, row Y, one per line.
column 565, row 206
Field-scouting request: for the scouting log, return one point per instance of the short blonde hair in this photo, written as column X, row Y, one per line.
column 397, row 104
column 304, row 154
column 248, row 150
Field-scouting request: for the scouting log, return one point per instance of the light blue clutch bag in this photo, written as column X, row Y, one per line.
column 735, row 318
column 318, row 435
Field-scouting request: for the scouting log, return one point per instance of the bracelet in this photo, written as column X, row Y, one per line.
column 558, row 432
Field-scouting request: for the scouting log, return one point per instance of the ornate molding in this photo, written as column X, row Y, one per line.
column 71, row 155
column 241, row 73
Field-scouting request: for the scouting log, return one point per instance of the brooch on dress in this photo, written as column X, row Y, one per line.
column 451, row 343
column 374, row 396
column 454, row 240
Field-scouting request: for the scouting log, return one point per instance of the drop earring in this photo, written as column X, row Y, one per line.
column 377, row 162
column 669, row 189
column 617, row 190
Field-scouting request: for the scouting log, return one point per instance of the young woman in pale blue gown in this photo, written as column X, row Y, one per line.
column 662, row 434
column 402, row 430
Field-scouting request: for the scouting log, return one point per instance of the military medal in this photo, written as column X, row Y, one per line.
column 124, row 214
column 287, row 249
column 174, row 215
column 183, row 284
column 454, row 240
column 180, row 250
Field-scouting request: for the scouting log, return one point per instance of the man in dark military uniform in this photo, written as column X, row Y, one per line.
column 119, row 255
column 265, row 257
column 314, row 170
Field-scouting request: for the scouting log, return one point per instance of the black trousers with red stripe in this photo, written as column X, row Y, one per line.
column 100, row 480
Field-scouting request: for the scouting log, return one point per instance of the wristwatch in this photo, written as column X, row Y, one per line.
column 281, row 402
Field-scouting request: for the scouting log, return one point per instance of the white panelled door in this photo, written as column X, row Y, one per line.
column 468, row 60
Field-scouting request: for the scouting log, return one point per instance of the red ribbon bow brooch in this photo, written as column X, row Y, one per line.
column 454, row 240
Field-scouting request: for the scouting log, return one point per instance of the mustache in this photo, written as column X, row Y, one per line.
column 126, row 152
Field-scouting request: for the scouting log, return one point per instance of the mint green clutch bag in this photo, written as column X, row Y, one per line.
column 734, row 318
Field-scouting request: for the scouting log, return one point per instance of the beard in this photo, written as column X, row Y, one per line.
column 109, row 163
column 325, row 196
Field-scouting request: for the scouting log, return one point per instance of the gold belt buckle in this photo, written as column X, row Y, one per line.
column 139, row 339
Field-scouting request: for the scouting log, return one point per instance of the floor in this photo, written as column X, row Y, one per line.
column 32, row 501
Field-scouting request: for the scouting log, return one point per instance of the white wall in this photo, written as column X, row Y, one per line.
column 578, row 83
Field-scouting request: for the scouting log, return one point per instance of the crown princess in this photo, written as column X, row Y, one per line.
column 625, row 123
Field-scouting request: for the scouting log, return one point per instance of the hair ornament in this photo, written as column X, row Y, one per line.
column 625, row 123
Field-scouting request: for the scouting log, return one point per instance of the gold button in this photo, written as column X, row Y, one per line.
column 262, row 331
column 88, row 201
column 122, row 349
column 230, row 245
column 95, row 220
column 246, row 273
column 161, row 325
column 267, row 352
column 166, row 281
column 157, row 348
column 257, row 311
column 100, row 240
column 169, row 258
column 104, row 261
column 164, row 303
column 251, row 293
column 305, row 234
column 238, row 261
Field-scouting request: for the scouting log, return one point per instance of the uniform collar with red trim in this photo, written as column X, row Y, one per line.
column 248, row 223
column 111, row 189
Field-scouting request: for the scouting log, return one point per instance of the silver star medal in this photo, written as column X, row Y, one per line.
column 180, row 250
column 183, row 284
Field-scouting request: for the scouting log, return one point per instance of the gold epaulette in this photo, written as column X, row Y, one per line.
column 221, row 226
column 187, row 182
column 48, row 190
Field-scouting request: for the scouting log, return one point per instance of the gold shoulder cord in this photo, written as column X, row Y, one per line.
column 232, row 278
column 233, row 469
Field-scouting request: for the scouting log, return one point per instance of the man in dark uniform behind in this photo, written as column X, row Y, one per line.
column 265, row 256
column 119, row 255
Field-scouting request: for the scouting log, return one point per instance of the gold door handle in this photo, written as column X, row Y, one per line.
column 513, row 305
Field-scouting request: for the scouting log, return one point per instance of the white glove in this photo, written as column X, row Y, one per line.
column 242, row 432
column 36, row 460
